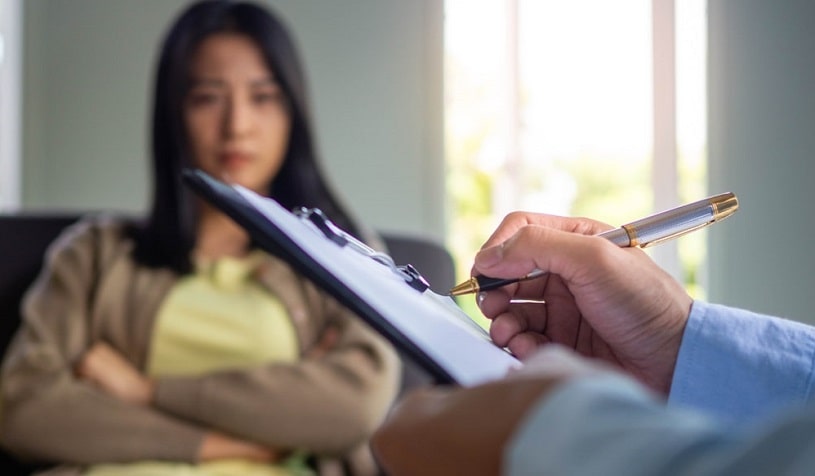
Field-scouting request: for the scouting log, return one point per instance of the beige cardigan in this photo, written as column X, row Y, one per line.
column 92, row 290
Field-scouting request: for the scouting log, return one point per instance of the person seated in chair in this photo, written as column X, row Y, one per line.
column 173, row 345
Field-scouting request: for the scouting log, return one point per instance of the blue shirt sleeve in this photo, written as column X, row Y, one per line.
column 740, row 366
column 611, row 425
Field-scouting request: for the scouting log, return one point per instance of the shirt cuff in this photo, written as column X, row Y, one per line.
column 741, row 366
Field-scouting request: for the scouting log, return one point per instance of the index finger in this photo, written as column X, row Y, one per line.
column 546, row 249
column 516, row 220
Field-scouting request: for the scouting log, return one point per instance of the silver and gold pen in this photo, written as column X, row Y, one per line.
column 644, row 232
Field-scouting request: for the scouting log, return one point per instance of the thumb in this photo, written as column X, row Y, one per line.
column 538, row 247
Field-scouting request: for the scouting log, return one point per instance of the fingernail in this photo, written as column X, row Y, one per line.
column 480, row 298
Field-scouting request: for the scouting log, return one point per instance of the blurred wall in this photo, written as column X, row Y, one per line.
column 376, row 73
column 762, row 147
column 375, row 70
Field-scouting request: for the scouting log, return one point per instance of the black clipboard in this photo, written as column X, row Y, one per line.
column 341, row 265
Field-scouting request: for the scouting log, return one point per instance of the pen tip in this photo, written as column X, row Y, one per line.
column 467, row 287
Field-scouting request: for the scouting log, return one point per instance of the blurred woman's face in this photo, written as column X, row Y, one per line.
column 236, row 115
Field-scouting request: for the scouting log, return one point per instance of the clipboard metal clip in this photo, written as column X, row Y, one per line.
column 317, row 218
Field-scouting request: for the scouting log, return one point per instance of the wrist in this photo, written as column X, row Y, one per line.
column 673, row 333
column 216, row 445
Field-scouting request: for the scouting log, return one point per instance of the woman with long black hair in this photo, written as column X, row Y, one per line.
column 172, row 345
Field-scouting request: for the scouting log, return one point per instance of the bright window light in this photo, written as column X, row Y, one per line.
column 550, row 107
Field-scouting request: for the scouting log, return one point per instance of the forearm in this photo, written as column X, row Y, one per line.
column 75, row 423
column 326, row 405
column 627, row 431
column 112, row 432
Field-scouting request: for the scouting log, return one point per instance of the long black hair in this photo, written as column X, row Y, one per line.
column 168, row 235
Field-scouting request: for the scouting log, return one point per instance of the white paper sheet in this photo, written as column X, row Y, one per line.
column 431, row 321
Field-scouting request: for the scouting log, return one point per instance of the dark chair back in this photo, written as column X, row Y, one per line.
column 23, row 241
column 431, row 259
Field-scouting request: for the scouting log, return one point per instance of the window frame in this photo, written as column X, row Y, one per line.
column 11, row 16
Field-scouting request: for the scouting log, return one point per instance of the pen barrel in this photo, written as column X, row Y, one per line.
column 670, row 224
column 618, row 236
column 487, row 284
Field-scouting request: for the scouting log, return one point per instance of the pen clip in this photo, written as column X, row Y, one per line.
column 322, row 223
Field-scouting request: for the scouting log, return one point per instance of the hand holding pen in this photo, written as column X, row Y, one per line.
column 607, row 302
column 641, row 233
column 610, row 303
